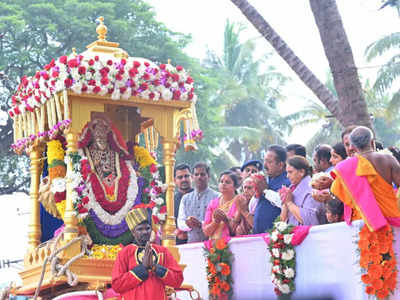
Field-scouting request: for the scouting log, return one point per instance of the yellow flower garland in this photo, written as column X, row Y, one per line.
column 104, row 252
column 143, row 157
column 55, row 151
column 61, row 208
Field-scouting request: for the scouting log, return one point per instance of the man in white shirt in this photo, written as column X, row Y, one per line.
column 193, row 205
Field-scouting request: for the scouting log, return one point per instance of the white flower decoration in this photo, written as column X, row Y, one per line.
column 276, row 269
column 289, row 272
column 287, row 238
column 275, row 253
column 288, row 254
column 57, row 185
column 274, row 236
column 284, row 288
column 281, row 226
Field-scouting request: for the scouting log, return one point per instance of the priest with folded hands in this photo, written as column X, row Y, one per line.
column 143, row 270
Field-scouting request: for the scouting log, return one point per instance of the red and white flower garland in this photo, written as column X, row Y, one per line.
column 120, row 78
column 283, row 257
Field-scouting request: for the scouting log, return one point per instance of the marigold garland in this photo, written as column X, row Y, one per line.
column 377, row 261
column 219, row 270
column 104, row 251
column 143, row 157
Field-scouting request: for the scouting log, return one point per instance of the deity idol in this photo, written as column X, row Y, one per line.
column 111, row 183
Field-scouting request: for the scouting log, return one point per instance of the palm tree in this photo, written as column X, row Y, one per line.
column 350, row 108
column 390, row 71
column 246, row 96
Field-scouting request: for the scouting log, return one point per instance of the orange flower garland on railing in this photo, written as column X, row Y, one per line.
column 378, row 261
column 219, row 269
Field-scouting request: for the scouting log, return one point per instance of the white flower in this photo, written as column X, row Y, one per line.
column 274, row 236
column 287, row 238
column 57, row 185
column 284, row 288
column 288, row 254
column 289, row 272
column 281, row 226
column 162, row 217
column 166, row 94
column 276, row 269
column 275, row 252
column 159, row 201
column 155, row 210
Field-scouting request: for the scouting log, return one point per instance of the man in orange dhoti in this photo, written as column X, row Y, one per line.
column 364, row 183
column 142, row 270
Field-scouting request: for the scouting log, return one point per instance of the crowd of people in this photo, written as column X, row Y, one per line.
column 252, row 196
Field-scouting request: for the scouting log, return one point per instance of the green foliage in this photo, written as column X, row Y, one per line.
column 34, row 32
column 390, row 71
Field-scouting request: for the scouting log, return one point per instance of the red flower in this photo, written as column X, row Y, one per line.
column 190, row 96
column 85, row 200
column 156, row 82
column 136, row 64
column 156, row 220
column 96, row 89
column 104, row 81
column 162, row 66
column 175, row 77
column 81, row 70
column 109, row 62
column 144, row 86
column 10, row 112
column 55, row 74
column 153, row 168
column 91, row 62
column 104, row 71
column 146, row 76
column 151, row 95
column 110, row 91
column 177, row 95
column 163, row 209
column 37, row 75
column 123, row 61
column 68, row 82
column 45, row 76
column 16, row 110
column 92, row 82
column 84, row 88
column 73, row 63
column 179, row 68
column 123, row 89
column 118, row 76
column 133, row 72
column 63, row 59
column 146, row 64
column 96, row 58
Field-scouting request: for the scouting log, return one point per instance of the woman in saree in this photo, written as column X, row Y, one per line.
column 221, row 210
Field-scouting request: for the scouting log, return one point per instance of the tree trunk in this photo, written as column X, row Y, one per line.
column 352, row 105
column 308, row 77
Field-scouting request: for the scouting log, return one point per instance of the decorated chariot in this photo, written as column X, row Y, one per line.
column 91, row 124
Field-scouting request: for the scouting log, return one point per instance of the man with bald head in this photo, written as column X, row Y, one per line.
column 364, row 182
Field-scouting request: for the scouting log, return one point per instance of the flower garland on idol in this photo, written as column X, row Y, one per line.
column 283, row 258
column 120, row 78
column 219, row 269
column 377, row 261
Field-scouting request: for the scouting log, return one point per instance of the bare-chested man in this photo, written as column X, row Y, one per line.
column 380, row 170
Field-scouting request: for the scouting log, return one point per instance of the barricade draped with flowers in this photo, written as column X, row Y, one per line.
column 377, row 261
column 219, row 268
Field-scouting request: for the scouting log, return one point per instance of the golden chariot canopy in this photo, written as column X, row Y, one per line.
column 132, row 91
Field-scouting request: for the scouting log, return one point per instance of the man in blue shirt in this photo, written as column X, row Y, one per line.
column 275, row 167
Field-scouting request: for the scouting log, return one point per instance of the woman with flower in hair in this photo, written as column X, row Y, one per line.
column 298, row 206
column 221, row 211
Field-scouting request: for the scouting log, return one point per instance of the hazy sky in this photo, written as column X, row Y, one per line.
column 294, row 21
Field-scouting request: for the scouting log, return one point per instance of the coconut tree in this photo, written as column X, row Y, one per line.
column 247, row 97
column 390, row 71
column 350, row 108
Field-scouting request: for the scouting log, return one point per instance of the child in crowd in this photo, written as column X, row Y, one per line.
column 334, row 210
